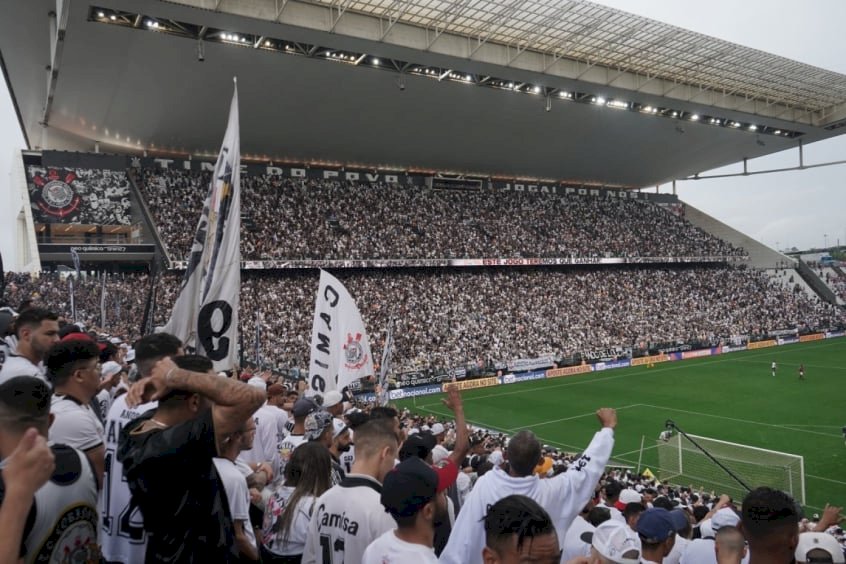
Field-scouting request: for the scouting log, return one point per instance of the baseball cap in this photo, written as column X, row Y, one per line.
column 338, row 427
column 303, row 407
column 615, row 541
column 655, row 525
column 823, row 542
column 437, row 429
column 679, row 519
column 332, row 397
column 418, row 445
column 315, row 423
column 630, row 496
column 257, row 382
column 109, row 369
column 412, row 484
column 725, row 517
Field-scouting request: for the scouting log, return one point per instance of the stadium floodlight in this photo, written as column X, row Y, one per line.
column 113, row 17
column 618, row 104
column 694, row 117
column 536, row 89
column 753, row 128
column 468, row 78
column 600, row 101
column 268, row 44
column 675, row 114
column 376, row 62
column 510, row 85
column 777, row 131
column 101, row 15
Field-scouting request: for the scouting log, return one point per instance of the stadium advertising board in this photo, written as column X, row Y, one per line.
column 782, row 332
column 675, row 348
column 814, row 337
column 833, row 334
column 787, row 340
column 568, row 371
column 761, row 344
column 732, row 348
column 402, row 393
column 514, row 378
column 700, row 353
column 85, row 196
column 655, row 358
column 523, row 364
column 472, row 384
column 611, row 364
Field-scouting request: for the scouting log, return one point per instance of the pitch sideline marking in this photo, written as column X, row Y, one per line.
column 542, row 423
column 608, row 378
column 740, row 420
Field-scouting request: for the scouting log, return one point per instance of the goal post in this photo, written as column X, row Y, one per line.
column 681, row 462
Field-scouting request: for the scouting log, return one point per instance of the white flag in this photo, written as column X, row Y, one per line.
column 340, row 348
column 205, row 315
column 382, row 394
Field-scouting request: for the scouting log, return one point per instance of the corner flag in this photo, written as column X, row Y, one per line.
column 205, row 315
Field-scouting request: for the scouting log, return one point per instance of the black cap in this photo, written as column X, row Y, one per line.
column 408, row 487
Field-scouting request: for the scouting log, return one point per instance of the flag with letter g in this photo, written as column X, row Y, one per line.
column 205, row 314
column 340, row 347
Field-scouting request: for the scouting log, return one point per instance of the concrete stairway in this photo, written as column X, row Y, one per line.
column 760, row 256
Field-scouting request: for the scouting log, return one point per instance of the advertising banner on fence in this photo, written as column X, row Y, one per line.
column 523, row 364
column 514, row 378
column 731, row 349
column 568, row 371
column 814, row 337
column 833, row 334
column 611, row 364
column 700, row 353
column 655, row 358
column 787, row 340
column 471, row 384
column 401, row 393
column 761, row 344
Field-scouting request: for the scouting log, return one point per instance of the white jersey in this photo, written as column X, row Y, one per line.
column 273, row 539
column 75, row 424
column 346, row 520
column 14, row 365
column 678, row 549
column 122, row 534
column 388, row 549
column 701, row 551
column 237, row 494
column 62, row 523
column 563, row 496
column 265, row 445
column 347, row 459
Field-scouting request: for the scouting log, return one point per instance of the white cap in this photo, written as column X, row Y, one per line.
column 439, row 455
column 413, row 431
column 338, row 427
column 437, row 429
column 109, row 369
column 705, row 529
column 424, row 428
column 115, row 340
column 630, row 496
column 725, row 517
column 615, row 541
column 819, row 541
column 332, row 397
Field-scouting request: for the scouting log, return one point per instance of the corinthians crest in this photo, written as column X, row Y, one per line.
column 54, row 193
column 354, row 357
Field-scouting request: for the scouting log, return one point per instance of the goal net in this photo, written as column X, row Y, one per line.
column 682, row 463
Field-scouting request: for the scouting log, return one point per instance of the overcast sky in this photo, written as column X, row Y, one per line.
column 791, row 209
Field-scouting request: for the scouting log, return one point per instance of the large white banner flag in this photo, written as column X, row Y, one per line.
column 205, row 315
column 340, row 348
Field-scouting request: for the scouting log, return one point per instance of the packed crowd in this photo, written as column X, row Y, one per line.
column 449, row 319
column 306, row 219
column 156, row 458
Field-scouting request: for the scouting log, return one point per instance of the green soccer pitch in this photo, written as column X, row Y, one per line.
column 730, row 397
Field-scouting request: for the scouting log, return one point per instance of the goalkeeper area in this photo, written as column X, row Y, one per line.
column 732, row 398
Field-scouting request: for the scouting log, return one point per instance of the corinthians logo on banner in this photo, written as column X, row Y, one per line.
column 55, row 194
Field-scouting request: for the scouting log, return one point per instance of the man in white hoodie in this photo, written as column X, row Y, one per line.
column 562, row 496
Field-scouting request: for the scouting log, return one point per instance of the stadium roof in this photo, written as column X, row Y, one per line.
column 565, row 90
